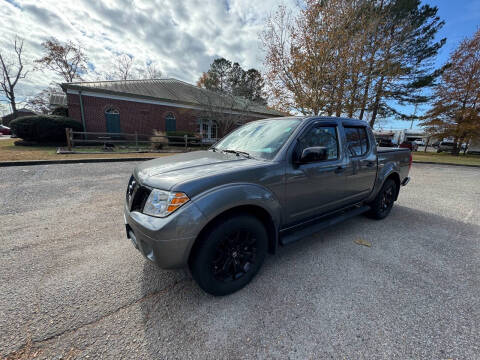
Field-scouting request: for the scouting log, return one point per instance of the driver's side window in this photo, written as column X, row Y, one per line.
column 320, row 136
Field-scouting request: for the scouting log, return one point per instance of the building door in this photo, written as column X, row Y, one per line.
column 170, row 123
column 208, row 131
column 112, row 118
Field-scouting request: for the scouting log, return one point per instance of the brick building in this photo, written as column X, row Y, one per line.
column 159, row 104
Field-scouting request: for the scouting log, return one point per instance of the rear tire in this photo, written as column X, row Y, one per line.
column 229, row 255
column 383, row 203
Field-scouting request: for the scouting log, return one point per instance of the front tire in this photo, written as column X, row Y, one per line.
column 383, row 203
column 229, row 254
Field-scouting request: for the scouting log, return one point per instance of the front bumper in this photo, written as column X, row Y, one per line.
column 165, row 241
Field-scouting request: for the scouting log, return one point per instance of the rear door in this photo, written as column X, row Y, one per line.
column 318, row 187
column 361, row 170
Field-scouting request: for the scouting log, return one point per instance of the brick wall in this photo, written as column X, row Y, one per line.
column 134, row 116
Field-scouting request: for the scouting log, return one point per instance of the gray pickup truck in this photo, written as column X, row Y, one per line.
column 268, row 183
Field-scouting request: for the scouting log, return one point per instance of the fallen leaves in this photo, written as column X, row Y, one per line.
column 362, row 242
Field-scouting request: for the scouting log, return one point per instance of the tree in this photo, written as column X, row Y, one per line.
column 151, row 71
column 455, row 111
column 232, row 79
column 11, row 71
column 40, row 103
column 67, row 60
column 226, row 109
column 350, row 58
column 123, row 67
column 229, row 92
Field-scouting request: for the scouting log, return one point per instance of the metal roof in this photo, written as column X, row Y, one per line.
column 58, row 99
column 171, row 90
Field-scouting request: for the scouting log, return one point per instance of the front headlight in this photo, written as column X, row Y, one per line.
column 162, row 203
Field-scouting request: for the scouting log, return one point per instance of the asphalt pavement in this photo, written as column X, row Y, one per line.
column 73, row 286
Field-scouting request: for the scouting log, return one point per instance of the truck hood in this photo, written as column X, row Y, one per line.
column 166, row 172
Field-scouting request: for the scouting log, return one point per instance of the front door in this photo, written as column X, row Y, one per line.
column 315, row 188
column 113, row 122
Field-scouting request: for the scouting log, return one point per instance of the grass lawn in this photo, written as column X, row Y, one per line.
column 446, row 158
column 10, row 152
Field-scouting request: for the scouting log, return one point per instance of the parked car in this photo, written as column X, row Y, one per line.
column 386, row 143
column 5, row 130
column 447, row 146
column 412, row 145
column 268, row 183
column 419, row 142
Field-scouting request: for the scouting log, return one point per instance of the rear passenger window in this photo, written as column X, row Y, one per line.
column 357, row 140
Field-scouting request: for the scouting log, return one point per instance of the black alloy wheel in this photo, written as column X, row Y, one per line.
column 234, row 256
column 383, row 202
column 229, row 254
column 388, row 197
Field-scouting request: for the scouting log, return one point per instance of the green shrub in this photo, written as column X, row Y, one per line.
column 61, row 111
column 44, row 128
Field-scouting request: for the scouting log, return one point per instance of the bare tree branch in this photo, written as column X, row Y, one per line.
column 67, row 60
column 12, row 70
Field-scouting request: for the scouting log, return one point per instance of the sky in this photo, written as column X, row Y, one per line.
column 181, row 37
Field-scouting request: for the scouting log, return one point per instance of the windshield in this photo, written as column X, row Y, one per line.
column 262, row 139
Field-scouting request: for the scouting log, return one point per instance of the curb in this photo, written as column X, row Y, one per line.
column 70, row 161
column 449, row 164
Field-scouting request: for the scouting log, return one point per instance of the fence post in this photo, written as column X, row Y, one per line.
column 186, row 141
column 68, row 133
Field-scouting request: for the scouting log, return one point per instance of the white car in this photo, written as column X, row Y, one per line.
column 420, row 142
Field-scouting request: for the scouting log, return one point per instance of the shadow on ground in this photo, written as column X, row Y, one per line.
column 411, row 294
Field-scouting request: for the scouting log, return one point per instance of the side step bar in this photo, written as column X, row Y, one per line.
column 293, row 235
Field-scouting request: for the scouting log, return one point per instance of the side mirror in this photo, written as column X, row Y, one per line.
column 313, row 154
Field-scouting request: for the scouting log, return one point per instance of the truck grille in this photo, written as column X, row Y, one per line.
column 136, row 195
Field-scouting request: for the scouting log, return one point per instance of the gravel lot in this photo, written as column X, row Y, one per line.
column 72, row 286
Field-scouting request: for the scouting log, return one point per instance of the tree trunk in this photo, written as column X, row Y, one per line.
column 353, row 96
column 338, row 110
column 466, row 146
column 365, row 97
column 456, row 149
column 13, row 105
column 376, row 104
column 426, row 145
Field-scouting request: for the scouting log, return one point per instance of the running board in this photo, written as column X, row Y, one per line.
column 293, row 236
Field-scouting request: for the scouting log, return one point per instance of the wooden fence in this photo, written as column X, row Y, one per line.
column 130, row 141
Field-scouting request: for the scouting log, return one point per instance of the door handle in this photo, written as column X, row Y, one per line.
column 370, row 164
column 339, row 169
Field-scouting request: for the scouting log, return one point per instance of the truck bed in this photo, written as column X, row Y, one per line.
column 390, row 149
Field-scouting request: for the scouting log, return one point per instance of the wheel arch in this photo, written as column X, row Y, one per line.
column 253, row 210
column 396, row 178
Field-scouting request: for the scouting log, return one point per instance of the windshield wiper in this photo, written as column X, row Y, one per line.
column 237, row 152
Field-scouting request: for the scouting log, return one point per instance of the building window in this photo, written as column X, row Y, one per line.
column 112, row 111
column 170, row 122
